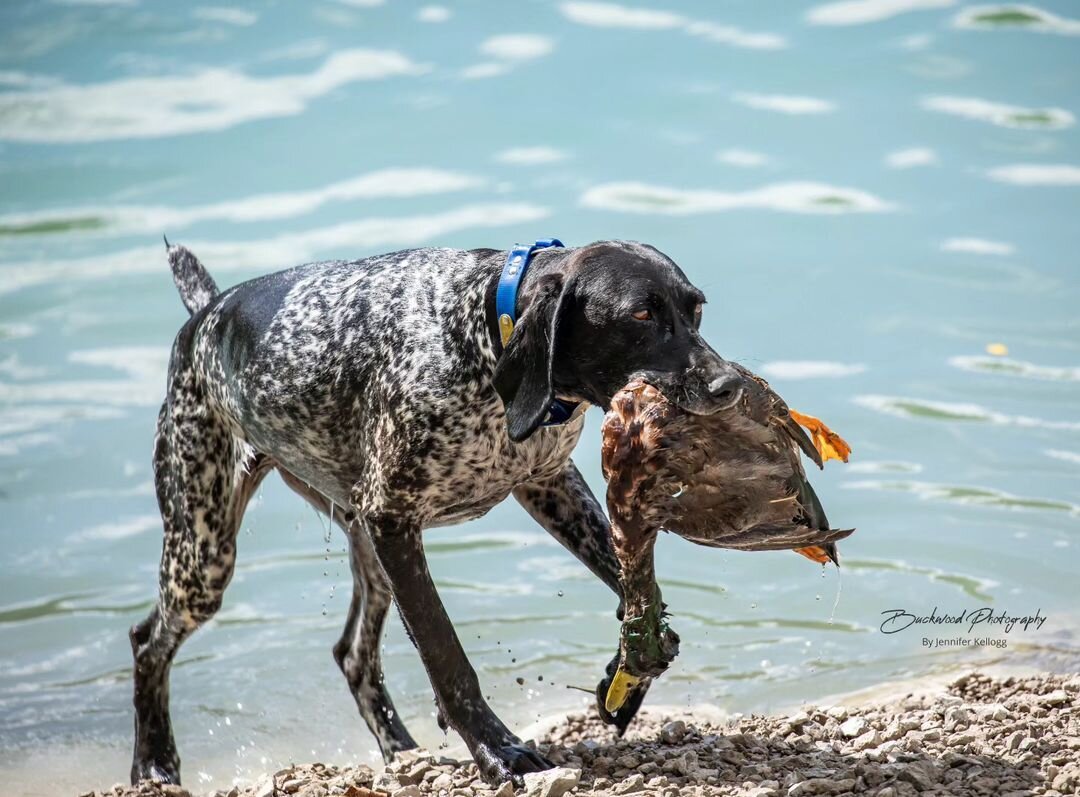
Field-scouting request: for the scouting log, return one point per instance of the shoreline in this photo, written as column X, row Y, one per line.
column 979, row 733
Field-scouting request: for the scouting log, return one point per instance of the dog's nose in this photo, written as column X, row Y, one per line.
column 726, row 390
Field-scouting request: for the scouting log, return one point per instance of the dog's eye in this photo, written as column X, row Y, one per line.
column 642, row 315
column 697, row 313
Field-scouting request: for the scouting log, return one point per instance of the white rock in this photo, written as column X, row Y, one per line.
column 1055, row 698
column 407, row 791
column 631, row 785
column 856, row 726
column 993, row 711
column 552, row 782
column 869, row 739
column 673, row 732
column 265, row 788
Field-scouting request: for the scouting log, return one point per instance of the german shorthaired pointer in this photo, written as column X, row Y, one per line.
column 384, row 393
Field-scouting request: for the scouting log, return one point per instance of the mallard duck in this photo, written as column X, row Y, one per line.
column 733, row 479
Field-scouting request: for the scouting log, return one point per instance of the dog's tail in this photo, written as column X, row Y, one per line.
column 197, row 288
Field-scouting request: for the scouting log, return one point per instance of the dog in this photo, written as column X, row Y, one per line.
column 382, row 392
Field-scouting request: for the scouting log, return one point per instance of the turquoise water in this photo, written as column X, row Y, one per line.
column 869, row 200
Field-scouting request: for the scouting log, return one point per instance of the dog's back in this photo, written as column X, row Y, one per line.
column 341, row 366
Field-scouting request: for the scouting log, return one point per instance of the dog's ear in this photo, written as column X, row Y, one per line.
column 523, row 375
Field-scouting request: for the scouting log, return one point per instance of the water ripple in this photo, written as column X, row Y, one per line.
column 1008, row 367
column 128, row 220
column 209, row 99
column 964, row 495
column 1015, row 17
column 973, row 586
column 279, row 251
column 1000, row 114
column 819, row 198
column 860, row 12
column 949, row 411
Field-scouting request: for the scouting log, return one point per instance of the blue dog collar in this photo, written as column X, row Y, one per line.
column 506, row 309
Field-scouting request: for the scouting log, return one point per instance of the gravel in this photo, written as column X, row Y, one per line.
column 983, row 737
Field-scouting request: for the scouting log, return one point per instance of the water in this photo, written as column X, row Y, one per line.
column 868, row 206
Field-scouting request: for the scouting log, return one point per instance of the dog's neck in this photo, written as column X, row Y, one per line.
column 543, row 261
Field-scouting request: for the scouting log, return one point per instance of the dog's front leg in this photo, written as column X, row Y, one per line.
column 498, row 753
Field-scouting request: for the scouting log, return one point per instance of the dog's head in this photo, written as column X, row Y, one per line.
column 598, row 317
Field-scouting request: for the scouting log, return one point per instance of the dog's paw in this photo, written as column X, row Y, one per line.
column 508, row 762
column 154, row 772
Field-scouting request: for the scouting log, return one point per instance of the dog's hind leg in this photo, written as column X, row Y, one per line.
column 357, row 652
column 204, row 478
column 567, row 509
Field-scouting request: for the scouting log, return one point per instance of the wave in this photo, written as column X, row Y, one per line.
column 1009, row 367
column 127, row 220
column 208, row 99
column 948, row 411
column 633, row 197
column 276, row 252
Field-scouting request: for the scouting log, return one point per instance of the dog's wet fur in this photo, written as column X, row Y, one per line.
column 380, row 392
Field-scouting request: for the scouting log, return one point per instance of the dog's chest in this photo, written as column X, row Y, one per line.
column 487, row 466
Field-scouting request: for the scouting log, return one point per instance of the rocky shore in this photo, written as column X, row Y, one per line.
column 980, row 736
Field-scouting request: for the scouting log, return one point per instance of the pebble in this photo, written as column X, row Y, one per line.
column 552, row 782
column 673, row 732
column 856, row 726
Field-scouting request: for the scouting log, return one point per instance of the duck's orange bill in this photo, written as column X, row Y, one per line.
column 815, row 553
column 828, row 443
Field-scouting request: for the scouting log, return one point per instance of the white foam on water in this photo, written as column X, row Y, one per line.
column 1000, row 114
column 613, row 15
column 860, row 12
column 26, row 419
column 483, row 70
column 743, row 158
column 279, row 251
column 230, row 15
column 18, row 444
column 145, row 367
column 977, row 246
column 517, row 46
column 915, row 408
column 531, row 156
column 884, row 466
column 810, row 369
column 784, row 103
column 118, row 530
column 966, row 495
column 634, row 197
column 168, row 105
column 910, row 158
column 433, row 14
column 1036, row 174
column 1006, row 366
column 128, row 219
column 1064, row 456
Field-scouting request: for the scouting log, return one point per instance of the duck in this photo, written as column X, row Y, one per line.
column 732, row 479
